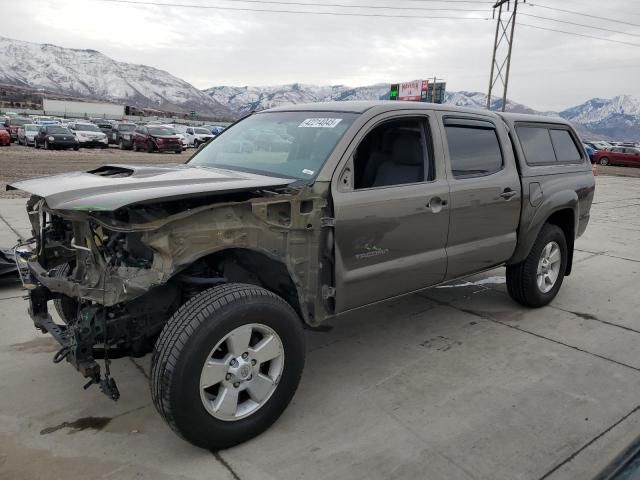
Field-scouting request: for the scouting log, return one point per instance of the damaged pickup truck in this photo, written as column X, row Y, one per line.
column 288, row 219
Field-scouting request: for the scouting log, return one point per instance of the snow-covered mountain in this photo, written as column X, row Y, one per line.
column 91, row 74
column 617, row 118
column 247, row 99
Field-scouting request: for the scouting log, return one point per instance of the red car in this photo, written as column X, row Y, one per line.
column 14, row 124
column 628, row 156
column 154, row 138
column 5, row 137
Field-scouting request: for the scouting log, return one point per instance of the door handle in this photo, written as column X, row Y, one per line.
column 508, row 193
column 436, row 204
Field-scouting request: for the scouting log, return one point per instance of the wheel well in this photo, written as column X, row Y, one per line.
column 239, row 265
column 565, row 219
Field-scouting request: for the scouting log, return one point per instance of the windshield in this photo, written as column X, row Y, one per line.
column 289, row 144
column 161, row 131
column 57, row 129
column 127, row 127
column 30, row 128
column 202, row 130
column 87, row 127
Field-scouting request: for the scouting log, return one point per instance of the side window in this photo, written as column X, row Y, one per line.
column 393, row 153
column 474, row 149
column 564, row 146
column 536, row 145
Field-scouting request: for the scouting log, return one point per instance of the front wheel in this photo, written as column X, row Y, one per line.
column 604, row 161
column 536, row 281
column 227, row 364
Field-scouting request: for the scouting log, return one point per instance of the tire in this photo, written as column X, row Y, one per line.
column 179, row 151
column 604, row 161
column 187, row 342
column 76, row 148
column 121, row 145
column 66, row 307
column 46, row 145
column 149, row 147
column 522, row 278
column 135, row 147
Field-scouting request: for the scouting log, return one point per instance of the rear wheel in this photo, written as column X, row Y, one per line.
column 536, row 281
column 604, row 161
column 227, row 364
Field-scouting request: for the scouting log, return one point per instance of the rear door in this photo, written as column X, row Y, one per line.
column 485, row 194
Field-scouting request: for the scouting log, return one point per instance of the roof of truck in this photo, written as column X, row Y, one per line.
column 361, row 106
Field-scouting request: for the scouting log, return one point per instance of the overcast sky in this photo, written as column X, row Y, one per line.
column 209, row 47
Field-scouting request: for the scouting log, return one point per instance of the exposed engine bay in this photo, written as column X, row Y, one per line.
column 116, row 277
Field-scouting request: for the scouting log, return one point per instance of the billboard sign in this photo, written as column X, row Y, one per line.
column 410, row 91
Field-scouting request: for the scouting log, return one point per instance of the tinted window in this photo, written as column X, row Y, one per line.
column 161, row 131
column 536, row 145
column 126, row 127
column 565, row 147
column 86, row 127
column 473, row 151
column 393, row 153
column 57, row 129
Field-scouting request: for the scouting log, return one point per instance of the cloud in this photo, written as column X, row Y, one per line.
column 210, row 47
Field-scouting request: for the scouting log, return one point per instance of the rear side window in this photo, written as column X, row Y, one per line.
column 536, row 144
column 547, row 146
column 565, row 147
column 474, row 149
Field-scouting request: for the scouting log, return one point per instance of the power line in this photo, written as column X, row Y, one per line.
column 598, row 17
column 579, row 34
column 346, row 5
column 580, row 24
column 305, row 12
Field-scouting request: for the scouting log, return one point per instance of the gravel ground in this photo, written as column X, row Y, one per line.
column 18, row 162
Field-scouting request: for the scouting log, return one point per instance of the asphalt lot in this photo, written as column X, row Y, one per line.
column 457, row 382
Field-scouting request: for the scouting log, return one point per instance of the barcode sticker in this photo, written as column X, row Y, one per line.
column 320, row 123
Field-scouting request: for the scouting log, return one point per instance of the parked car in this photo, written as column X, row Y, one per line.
column 89, row 135
column 27, row 133
column 154, row 138
column 196, row 136
column 55, row 137
column 590, row 150
column 627, row 156
column 13, row 124
column 105, row 126
column 178, row 130
column 121, row 135
column 5, row 137
column 214, row 129
column 217, row 267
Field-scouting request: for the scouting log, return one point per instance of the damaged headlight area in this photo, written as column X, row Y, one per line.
column 103, row 283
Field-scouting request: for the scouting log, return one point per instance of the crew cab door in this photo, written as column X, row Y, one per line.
column 390, row 200
column 485, row 193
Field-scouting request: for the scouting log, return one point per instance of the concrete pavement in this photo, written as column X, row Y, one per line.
column 453, row 383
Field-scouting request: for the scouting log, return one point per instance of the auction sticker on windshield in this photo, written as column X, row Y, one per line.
column 320, row 123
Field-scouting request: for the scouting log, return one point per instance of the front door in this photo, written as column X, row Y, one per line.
column 391, row 212
column 485, row 195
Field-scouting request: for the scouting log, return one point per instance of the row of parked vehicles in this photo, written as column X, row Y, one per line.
column 617, row 153
column 53, row 133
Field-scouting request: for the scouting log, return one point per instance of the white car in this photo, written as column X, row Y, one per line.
column 197, row 136
column 27, row 133
column 89, row 135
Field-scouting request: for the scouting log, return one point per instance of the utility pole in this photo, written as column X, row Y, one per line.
column 501, row 60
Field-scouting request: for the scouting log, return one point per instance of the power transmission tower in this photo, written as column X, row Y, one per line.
column 502, row 47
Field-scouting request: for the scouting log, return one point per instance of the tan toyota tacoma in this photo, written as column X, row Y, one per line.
column 288, row 219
